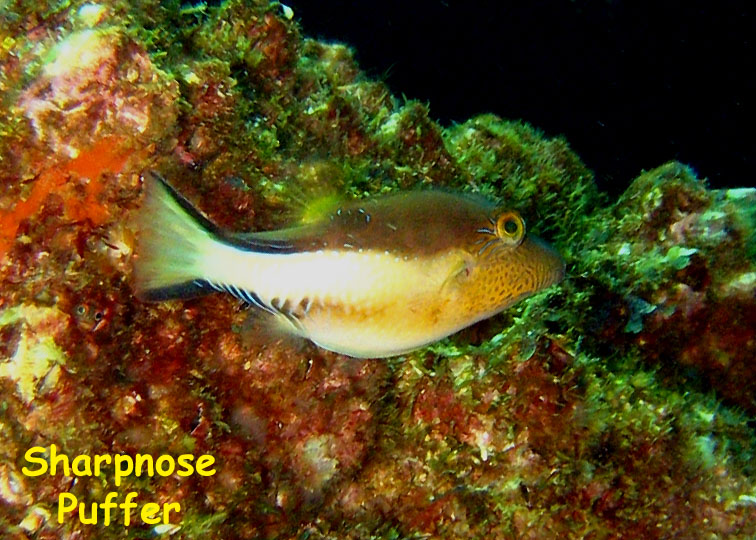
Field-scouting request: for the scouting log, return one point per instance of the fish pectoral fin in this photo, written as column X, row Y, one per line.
column 459, row 271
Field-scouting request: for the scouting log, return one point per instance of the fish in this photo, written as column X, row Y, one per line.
column 371, row 278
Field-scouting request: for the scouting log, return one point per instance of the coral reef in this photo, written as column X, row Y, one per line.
column 616, row 405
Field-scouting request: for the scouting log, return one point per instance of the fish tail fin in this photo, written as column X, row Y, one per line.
column 173, row 240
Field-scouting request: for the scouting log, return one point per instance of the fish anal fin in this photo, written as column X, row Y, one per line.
column 262, row 328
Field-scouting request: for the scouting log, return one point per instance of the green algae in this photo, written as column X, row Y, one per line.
column 543, row 178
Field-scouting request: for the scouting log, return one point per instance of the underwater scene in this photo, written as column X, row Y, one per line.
column 249, row 291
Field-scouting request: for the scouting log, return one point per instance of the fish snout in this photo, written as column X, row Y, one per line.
column 548, row 264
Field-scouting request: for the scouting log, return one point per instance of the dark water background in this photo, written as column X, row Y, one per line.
column 630, row 84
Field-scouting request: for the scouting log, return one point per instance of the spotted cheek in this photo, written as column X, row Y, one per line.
column 480, row 295
column 500, row 288
column 505, row 285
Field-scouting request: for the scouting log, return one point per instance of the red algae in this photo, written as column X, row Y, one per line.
column 105, row 156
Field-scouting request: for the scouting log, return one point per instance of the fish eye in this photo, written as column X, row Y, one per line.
column 510, row 227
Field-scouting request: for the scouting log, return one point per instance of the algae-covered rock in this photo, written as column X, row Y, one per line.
column 616, row 404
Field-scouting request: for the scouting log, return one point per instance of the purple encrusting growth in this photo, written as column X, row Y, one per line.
column 617, row 405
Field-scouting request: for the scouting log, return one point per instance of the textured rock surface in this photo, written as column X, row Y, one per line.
column 618, row 404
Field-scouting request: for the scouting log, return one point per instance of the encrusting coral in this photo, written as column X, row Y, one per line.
column 617, row 404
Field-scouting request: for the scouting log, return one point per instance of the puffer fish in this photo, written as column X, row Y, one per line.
column 373, row 278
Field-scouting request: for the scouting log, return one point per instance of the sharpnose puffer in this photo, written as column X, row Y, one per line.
column 374, row 278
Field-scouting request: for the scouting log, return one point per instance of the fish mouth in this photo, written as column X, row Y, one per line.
column 549, row 263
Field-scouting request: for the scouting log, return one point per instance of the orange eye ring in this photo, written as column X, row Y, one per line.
column 510, row 227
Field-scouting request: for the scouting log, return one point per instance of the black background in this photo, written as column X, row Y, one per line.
column 630, row 84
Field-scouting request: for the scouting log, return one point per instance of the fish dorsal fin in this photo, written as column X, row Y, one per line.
column 314, row 191
column 320, row 208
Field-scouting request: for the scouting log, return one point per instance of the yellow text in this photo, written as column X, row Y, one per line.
column 150, row 514
column 124, row 465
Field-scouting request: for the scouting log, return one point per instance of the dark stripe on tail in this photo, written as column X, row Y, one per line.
column 201, row 287
column 244, row 244
column 183, row 291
